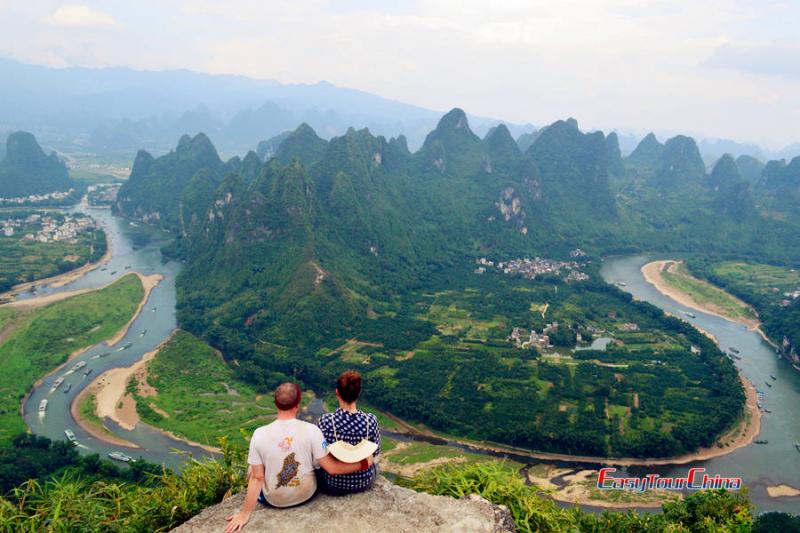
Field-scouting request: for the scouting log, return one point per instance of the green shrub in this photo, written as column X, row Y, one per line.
column 715, row 511
column 69, row 503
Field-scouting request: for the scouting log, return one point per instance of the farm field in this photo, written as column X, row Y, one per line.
column 449, row 360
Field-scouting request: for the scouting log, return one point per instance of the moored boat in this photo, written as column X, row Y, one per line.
column 42, row 406
column 57, row 383
column 119, row 456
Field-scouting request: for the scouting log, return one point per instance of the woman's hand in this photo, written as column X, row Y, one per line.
column 237, row 522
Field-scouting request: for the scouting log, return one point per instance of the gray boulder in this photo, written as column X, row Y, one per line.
column 387, row 507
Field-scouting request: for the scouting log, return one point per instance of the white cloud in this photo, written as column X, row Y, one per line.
column 79, row 15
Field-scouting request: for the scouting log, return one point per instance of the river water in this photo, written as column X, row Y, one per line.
column 760, row 465
column 157, row 317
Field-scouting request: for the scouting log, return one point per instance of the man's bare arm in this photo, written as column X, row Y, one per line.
column 334, row 466
column 254, row 484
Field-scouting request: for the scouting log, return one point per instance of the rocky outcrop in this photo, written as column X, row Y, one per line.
column 387, row 507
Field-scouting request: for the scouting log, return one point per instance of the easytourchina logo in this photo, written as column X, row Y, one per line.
column 696, row 479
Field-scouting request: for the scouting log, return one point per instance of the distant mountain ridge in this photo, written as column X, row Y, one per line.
column 119, row 110
column 354, row 241
column 360, row 215
column 27, row 170
column 116, row 111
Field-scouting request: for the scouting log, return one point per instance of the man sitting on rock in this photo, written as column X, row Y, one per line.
column 282, row 458
column 352, row 436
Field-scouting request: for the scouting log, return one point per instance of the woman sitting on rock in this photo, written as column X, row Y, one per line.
column 351, row 436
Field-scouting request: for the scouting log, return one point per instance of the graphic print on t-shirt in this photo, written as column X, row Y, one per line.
column 288, row 472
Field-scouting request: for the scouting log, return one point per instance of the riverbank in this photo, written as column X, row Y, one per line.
column 109, row 389
column 43, row 341
column 96, row 430
column 58, row 280
column 742, row 434
column 149, row 283
column 783, row 491
column 579, row 487
column 113, row 401
column 653, row 273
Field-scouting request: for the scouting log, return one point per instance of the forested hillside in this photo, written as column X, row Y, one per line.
column 27, row 170
column 356, row 252
column 779, row 189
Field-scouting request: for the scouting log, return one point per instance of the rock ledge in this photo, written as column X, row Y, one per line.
column 387, row 507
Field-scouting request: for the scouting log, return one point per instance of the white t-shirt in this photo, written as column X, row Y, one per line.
column 289, row 451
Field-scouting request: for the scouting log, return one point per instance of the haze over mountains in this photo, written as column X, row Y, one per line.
column 119, row 110
column 122, row 110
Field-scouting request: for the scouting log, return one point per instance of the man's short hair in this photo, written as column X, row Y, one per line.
column 349, row 386
column 287, row 396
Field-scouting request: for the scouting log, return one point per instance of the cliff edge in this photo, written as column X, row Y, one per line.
column 387, row 507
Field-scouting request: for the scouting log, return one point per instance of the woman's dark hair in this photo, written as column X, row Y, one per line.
column 349, row 386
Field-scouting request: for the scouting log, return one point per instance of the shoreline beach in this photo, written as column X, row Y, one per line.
column 652, row 274
column 113, row 401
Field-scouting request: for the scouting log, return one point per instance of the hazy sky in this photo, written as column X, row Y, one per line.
column 717, row 68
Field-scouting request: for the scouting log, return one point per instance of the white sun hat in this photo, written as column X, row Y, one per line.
column 351, row 453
